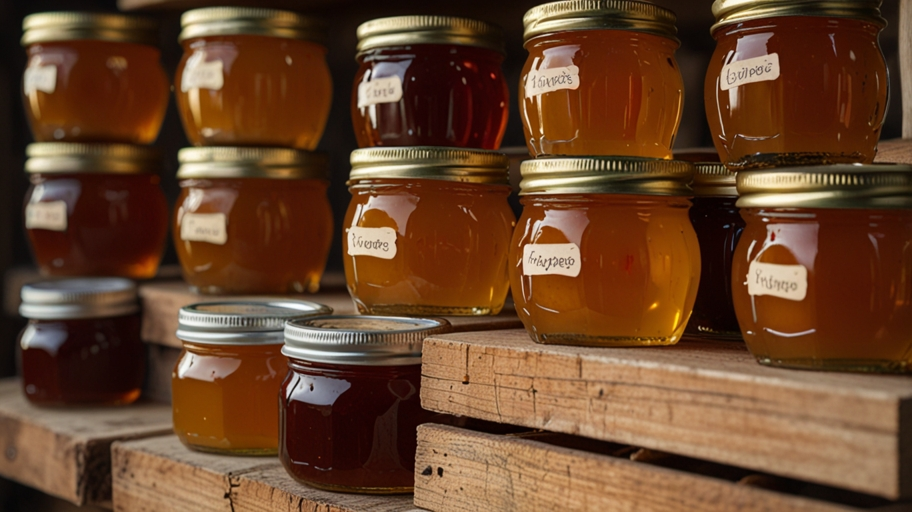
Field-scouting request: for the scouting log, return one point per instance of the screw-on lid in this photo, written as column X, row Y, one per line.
column 570, row 15
column 252, row 162
column 71, row 157
column 242, row 322
column 731, row 12
column 225, row 21
column 432, row 163
column 409, row 30
column 46, row 27
column 713, row 179
column 88, row 297
column 606, row 175
column 360, row 339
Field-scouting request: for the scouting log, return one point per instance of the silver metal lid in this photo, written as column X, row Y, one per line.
column 360, row 339
column 70, row 299
column 242, row 322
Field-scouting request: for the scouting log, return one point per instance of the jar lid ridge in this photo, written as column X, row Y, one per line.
column 430, row 162
column 606, row 175
column 730, row 12
column 713, row 179
column 44, row 27
column 223, row 21
column 568, row 15
column 75, row 298
column 242, row 322
column 72, row 157
column 251, row 162
column 426, row 29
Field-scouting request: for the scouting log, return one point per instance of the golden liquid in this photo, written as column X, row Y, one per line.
column 105, row 92
column 452, row 241
column 857, row 314
column 628, row 101
column 276, row 92
column 640, row 267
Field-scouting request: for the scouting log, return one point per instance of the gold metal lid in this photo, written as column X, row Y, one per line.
column 713, row 179
column 45, row 27
column 71, row 157
column 408, row 30
column 224, row 21
column 606, row 175
column 599, row 15
column 730, row 12
column 886, row 186
column 432, row 163
column 252, row 162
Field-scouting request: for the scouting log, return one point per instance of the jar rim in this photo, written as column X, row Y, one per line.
column 72, row 157
column 45, row 27
column 257, row 21
column 477, row 166
column 713, row 179
column 422, row 29
column 251, row 162
column 731, row 12
column 572, row 15
column 78, row 298
column 606, row 175
column 242, row 322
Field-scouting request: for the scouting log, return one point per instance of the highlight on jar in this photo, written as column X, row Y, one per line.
column 601, row 79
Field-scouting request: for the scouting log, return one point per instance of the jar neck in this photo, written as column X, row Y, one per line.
column 606, row 199
column 205, row 349
column 343, row 370
column 802, row 23
column 390, row 184
column 429, row 50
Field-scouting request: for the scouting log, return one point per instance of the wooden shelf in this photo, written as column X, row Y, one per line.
column 705, row 400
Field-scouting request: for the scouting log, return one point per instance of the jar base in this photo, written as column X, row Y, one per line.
column 356, row 490
column 838, row 365
column 412, row 310
column 796, row 159
column 294, row 287
column 706, row 333
column 602, row 341
column 117, row 400
column 241, row 452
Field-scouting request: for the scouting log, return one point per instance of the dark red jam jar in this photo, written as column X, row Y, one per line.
column 349, row 407
column 82, row 342
column 429, row 81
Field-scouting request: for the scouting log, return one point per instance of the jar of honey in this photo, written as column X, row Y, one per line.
column 427, row 231
column 95, row 209
column 821, row 276
column 252, row 220
column 252, row 77
column 605, row 253
column 81, row 344
column 350, row 405
column 225, row 385
column 601, row 79
column 430, row 81
column 796, row 83
column 93, row 77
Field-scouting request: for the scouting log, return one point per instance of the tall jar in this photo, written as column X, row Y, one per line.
column 796, row 83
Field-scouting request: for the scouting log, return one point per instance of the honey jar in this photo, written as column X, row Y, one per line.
column 252, row 77
column 601, row 79
column 429, row 81
column 225, row 385
column 796, row 83
column 604, row 253
column 93, row 77
column 81, row 344
column 821, row 276
column 95, row 209
column 427, row 231
column 252, row 220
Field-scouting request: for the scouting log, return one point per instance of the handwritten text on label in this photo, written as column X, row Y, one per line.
column 379, row 90
column 51, row 216
column 783, row 281
column 748, row 71
column 551, row 259
column 204, row 227
column 40, row 78
column 553, row 79
column 376, row 242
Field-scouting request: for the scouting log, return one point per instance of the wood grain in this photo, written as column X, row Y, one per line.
column 896, row 151
column 700, row 399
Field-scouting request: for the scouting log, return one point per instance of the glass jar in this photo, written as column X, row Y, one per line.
column 604, row 253
column 429, row 81
column 252, row 220
column 601, row 79
column 252, row 77
column 821, row 276
column 225, row 385
column 95, row 209
column 796, row 83
column 81, row 344
column 93, row 77
column 427, row 231
column 350, row 406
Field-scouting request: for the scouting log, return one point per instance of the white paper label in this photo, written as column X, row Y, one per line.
column 51, row 215
column 203, row 75
column 379, row 90
column 554, row 79
column 204, row 227
column 376, row 242
column 748, row 71
column 551, row 259
column 784, row 281
column 40, row 78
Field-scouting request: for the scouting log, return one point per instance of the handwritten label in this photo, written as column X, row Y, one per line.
column 51, row 215
column 783, row 281
column 40, row 78
column 376, row 242
column 554, row 79
column 551, row 259
column 202, row 75
column 379, row 90
column 748, row 71
column 204, row 227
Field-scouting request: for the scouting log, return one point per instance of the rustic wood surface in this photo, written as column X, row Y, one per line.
column 700, row 399
column 160, row 362
column 897, row 151
column 905, row 64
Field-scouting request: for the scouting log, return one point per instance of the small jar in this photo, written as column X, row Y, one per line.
column 604, row 253
column 81, row 344
column 821, row 277
column 796, row 83
column 601, row 79
column 93, row 77
column 225, row 385
column 252, row 77
column 252, row 220
column 430, row 81
column 427, row 231
column 95, row 209
column 350, row 405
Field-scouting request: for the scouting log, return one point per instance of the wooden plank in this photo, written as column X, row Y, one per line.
column 905, row 64
column 66, row 452
column 896, row 151
column 700, row 399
